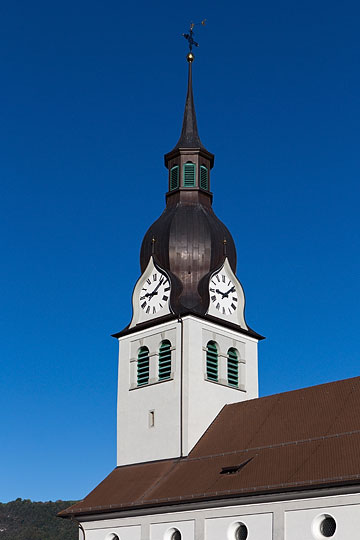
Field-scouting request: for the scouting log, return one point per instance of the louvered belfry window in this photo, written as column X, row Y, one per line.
column 204, row 177
column 233, row 367
column 189, row 175
column 212, row 361
column 174, row 177
column 143, row 366
column 165, row 360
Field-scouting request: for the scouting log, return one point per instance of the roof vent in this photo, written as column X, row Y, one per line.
column 233, row 469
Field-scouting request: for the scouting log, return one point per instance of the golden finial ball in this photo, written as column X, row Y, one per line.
column 190, row 57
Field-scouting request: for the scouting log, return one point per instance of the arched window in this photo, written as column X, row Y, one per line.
column 174, row 177
column 233, row 367
column 165, row 360
column 212, row 361
column 204, row 177
column 143, row 366
column 189, row 174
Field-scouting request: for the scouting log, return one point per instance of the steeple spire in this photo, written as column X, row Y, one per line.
column 189, row 137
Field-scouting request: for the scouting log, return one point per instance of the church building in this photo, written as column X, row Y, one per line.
column 199, row 455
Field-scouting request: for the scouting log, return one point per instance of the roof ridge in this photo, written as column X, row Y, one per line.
column 330, row 383
column 155, row 484
column 276, row 445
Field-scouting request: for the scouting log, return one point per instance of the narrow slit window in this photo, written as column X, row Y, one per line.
column 233, row 367
column 212, row 361
column 143, row 366
column 165, row 360
column 189, row 175
column 204, row 177
column 174, row 177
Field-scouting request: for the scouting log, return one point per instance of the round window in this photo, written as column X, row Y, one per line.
column 112, row 536
column 323, row 526
column 176, row 535
column 328, row 526
column 241, row 533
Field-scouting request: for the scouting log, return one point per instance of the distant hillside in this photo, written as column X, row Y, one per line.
column 27, row 520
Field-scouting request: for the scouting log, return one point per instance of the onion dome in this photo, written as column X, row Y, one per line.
column 188, row 240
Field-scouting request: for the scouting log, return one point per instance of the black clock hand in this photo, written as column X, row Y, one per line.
column 219, row 292
column 156, row 288
column 229, row 291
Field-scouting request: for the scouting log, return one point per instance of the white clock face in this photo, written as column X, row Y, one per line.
column 223, row 294
column 154, row 293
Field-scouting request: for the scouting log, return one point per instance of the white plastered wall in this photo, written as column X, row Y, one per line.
column 204, row 399
column 137, row 440
column 184, row 406
column 282, row 520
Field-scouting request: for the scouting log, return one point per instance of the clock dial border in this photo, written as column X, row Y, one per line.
column 142, row 314
column 222, row 306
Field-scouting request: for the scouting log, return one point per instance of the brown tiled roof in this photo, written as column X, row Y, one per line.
column 302, row 439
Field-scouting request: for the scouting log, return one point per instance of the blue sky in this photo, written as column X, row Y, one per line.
column 91, row 97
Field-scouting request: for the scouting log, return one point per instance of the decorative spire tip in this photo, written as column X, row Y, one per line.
column 190, row 38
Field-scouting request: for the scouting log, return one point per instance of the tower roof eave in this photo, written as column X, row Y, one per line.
column 184, row 150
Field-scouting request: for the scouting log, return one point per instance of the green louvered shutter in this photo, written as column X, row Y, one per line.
column 212, row 361
column 174, row 177
column 204, row 177
column 232, row 367
column 189, row 175
column 165, row 360
column 143, row 366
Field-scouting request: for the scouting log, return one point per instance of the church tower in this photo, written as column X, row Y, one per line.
column 187, row 351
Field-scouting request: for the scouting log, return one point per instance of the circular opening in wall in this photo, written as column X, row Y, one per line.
column 324, row 526
column 237, row 531
column 173, row 534
column 112, row 536
column 241, row 533
column 328, row 526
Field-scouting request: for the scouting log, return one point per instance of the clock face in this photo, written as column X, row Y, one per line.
column 223, row 294
column 154, row 293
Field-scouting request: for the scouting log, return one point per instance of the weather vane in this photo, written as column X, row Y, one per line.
column 190, row 38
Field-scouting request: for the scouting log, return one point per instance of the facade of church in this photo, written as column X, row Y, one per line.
column 200, row 456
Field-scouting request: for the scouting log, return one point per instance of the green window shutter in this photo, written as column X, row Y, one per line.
column 232, row 367
column 143, row 366
column 189, row 175
column 204, row 177
column 165, row 360
column 212, row 361
column 174, row 177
